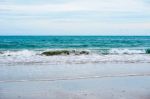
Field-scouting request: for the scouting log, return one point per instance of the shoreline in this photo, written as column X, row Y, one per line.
column 79, row 78
column 86, row 81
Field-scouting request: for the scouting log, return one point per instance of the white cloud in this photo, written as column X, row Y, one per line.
column 41, row 8
column 22, row 17
column 82, row 5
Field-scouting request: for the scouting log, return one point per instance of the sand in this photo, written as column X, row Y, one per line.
column 79, row 81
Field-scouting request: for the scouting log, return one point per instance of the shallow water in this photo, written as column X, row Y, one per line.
column 115, row 81
column 14, row 73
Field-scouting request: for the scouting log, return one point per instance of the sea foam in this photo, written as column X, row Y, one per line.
column 75, row 56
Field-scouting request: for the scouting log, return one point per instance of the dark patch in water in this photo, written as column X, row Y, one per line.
column 84, row 52
column 147, row 51
column 65, row 52
column 51, row 53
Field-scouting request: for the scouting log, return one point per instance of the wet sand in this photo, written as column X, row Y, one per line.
column 87, row 81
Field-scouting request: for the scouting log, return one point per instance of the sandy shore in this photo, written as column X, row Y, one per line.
column 87, row 81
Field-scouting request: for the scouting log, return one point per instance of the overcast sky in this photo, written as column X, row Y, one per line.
column 74, row 17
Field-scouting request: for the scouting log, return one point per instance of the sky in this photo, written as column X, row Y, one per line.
column 74, row 17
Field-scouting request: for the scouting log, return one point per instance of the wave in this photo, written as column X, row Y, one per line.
column 18, row 53
column 128, row 51
column 96, row 51
column 42, row 52
column 65, row 52
column 75, row 56
column 52, row 52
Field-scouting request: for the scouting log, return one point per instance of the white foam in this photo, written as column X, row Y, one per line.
column 22, row 53
column 126, row 51
column 27, row 56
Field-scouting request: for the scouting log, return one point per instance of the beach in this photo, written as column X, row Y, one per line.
column 82, row 81
column 74, row 67
column 74, row 49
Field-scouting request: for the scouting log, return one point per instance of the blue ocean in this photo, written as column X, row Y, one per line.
column 74, row 49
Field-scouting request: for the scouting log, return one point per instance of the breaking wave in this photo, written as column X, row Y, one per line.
column 75, row 56
column 52, row 52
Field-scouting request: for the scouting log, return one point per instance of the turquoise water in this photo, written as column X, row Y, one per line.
column 56, row 42
column 79, row 49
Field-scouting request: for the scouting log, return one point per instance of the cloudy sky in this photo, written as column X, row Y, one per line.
column 74, row 17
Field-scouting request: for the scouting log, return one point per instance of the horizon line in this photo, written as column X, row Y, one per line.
column 75, row 35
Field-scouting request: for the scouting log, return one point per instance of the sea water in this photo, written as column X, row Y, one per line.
column 82, row 49
column 108, row 67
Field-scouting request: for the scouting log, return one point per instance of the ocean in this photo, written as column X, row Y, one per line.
column 74, row 49
column 74, row 67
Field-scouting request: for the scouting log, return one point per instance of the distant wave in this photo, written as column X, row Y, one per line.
column 75, row 56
